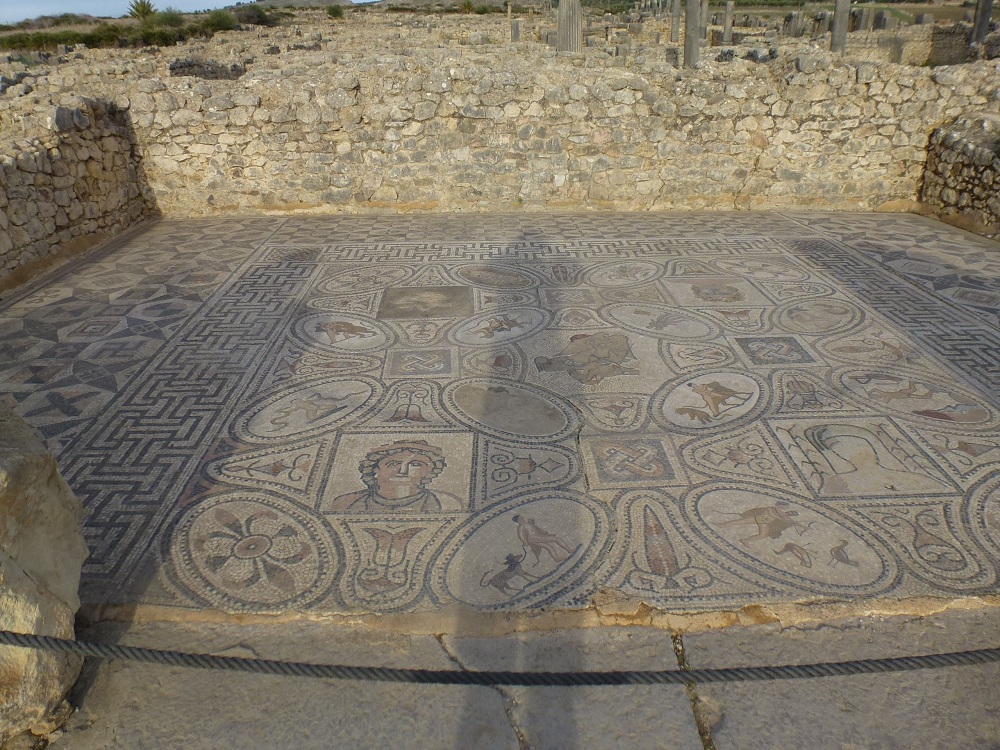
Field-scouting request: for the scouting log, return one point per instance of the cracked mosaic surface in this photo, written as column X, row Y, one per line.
column 401, row 413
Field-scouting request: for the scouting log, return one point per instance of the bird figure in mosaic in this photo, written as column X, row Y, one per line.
column 838, row 554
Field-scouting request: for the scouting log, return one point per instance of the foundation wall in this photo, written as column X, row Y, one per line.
column 400, row 115
column 962, row 182
column 72, row 182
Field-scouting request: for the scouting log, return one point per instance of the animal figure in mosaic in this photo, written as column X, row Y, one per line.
column 771, row 521
column 816, row 316
column 538, row 540
column 896, row 351
column 502, row 324
column 716, row 398
column 589, row 358
column 859, row 460
column 661, row 321
column 312, row 407
column 803, row 555
column 503, row 581
column 839, row 554
column 717, row 293
column 949, row 408
column 341, row 330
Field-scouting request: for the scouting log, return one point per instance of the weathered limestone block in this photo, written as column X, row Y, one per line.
column 41, row 553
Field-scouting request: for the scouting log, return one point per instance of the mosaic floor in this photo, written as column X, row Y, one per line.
column 350, row 414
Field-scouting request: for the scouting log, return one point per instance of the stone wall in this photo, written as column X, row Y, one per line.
column 962, row 182
column 908, row 46
column 950, row 46
column 396, row 113
column 70, row 179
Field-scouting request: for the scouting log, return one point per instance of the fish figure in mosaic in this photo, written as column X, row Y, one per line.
column 396, row 477
column 589, row 358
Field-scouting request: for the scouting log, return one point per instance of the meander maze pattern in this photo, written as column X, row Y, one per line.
column 403, row 413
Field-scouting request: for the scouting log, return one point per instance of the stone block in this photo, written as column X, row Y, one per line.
column 61, row 120
column 41, row 554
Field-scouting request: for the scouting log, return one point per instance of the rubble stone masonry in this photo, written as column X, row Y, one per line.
column 400, row 112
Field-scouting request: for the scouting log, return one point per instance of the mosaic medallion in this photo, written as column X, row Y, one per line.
column 351, row 415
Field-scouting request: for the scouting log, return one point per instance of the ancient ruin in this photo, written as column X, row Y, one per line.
column 451, row 324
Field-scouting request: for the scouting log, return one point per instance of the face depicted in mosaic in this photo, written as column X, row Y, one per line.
column 402, row 468
column 396, row 477
column 402, row 474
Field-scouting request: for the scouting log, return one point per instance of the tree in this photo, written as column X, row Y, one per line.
column 141, row 9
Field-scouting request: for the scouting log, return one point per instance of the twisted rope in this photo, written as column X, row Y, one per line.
column 491, row 678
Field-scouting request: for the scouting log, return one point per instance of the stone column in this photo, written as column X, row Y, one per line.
column 515, row 29
column 675, row 22
column 727, row 28
column 704, row 20
column 570, row 28
column 981, row 26
column 841, row 19
column 796, row 24
column 692, row 32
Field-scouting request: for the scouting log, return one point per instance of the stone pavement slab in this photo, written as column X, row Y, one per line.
column 144, row 706
column 935, row 708
column 522, row 413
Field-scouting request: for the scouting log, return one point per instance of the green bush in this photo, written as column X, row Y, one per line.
column 467, row 6
column 335, row 11
column 159, row 37
column 253, row 15
column 105, row 35
column 171, row 18
column 220, row 20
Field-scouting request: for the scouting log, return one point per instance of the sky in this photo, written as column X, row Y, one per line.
column 12, row 11
column 17, row 10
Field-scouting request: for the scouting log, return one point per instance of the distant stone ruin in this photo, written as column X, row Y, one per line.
column 391, row 113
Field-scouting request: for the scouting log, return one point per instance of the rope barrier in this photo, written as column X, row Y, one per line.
column 492, row 678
